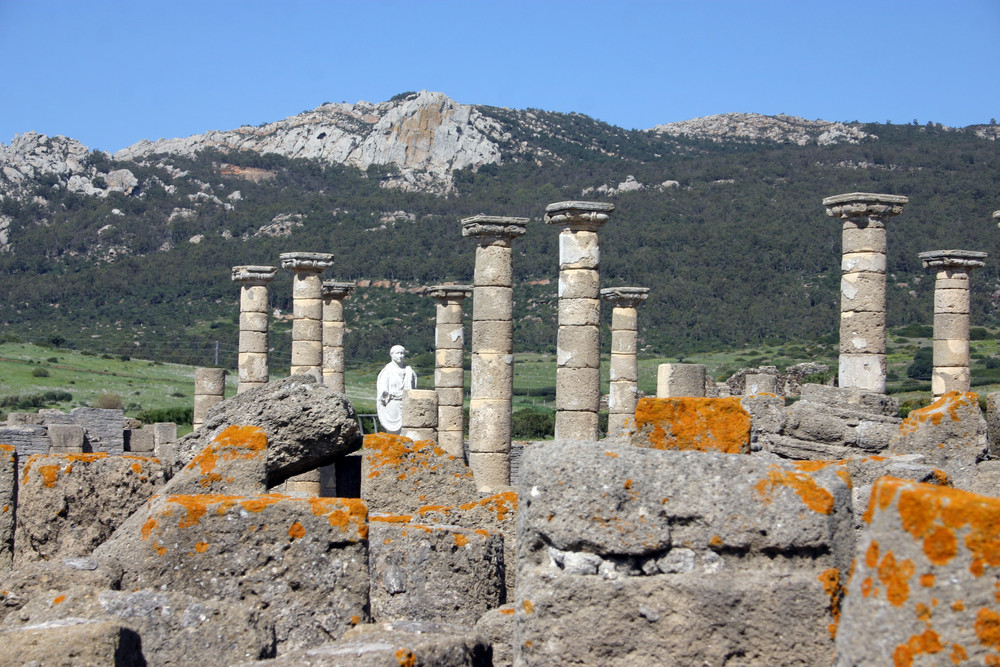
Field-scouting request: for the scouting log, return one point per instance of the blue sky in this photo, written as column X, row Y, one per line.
column 110, row 73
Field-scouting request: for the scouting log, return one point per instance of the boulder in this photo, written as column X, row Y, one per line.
column 701, row 424
column 68, row 504
column 630, row 556
column 925, row 581
column 235, row 463
column 497, row 625
column 307, row 424
column 50, row 579
column 70, row 644
column 8, row 504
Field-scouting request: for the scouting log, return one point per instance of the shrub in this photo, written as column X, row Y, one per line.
column 109, row 401
column 181, row 416
column 923, row 364
column 529, row 424
column 39, row 373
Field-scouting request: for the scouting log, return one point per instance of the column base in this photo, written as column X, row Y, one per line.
column 863, row 371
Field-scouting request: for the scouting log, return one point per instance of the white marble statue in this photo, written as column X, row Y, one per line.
column 392, row 381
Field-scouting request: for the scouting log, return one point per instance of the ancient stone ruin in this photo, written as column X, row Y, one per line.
column 715, row 525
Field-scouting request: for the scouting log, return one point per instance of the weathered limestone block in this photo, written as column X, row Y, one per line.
column 27, row 440
column 949, row 434
column 307, row 425
column 925, row 580
column 420, row 415
column 760, row 384
column 680, row 380
column 427, row 572
column 60, row 513
column 8, row 504
column 71, row 643
column 406, row 643
column 173, row 626
column 993, row 424
column 105, row 432
column 497, row 625
column 48, row 580
column 234, row 463
column 635, row 556
column 399, row 476
column 702, row 424
column 306, row 557
column 66, row 438
column 767, row 414
column 137, row 441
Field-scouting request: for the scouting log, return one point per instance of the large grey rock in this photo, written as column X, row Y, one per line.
column 71, row 644
column 925, row 580
column 498, row 626
column 395, row 644
column 50, row 579
column 308, row 425
column 638, row 556
column 235, row 463
column 8, row 504
column 68, row 504
column 426, row 572
column 174, row 627
column 305, row 558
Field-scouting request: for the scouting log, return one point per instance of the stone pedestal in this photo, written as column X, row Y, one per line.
column 449, row 377
column 951, row 316
column 492, row 388
column 253, row 368
column 209, row 389
column 334, row 294
column 624, row 391
column 420, row 415
column 680, row 380
column 578, row 347
column 307, row 310
column 305, row 485
column 760, row 383
column 862, row 286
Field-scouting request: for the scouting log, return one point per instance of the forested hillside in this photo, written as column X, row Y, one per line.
column 730, row 235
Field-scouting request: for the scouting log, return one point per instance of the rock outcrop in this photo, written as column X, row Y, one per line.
column 756, row 128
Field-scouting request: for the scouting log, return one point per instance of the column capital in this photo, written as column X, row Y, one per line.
column 494, row 227
column 450, row 292
column 337, row 290
column 579, row 215
column 864, row 205
column 952, row 259
column 311, row 262
column 254, row 275
column 625, row 297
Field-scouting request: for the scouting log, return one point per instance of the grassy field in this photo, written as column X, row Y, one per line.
column 31, row 370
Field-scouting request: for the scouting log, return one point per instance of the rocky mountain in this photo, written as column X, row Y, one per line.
column 755, row 128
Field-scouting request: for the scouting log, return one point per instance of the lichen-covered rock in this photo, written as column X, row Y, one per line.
column 426, row 572
column 925, row 581
column 8, row 504
column 305, row 558
column 70, row 644
column 629, row 555
column 395, row 644
column 307, row 424
column 68, row 504
column 399, row 476
column 50, row 579
column 949, row 434
column 234, row 463
column 700, row 424
column 498, row 626
column 173, row 626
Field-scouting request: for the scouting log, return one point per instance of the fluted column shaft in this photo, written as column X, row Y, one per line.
column 253, row 368
column 334, row 324
column 307, row 310
column 449, row 376
column 624, row 391
column 578, row 346
column 492, row 392
column 951, row 316
column 862, row 285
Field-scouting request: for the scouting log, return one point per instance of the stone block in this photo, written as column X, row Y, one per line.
column 579, row 312
column 951, row 352
column 263, row 550
column 27, row 440
column 871, row 240
column 945, row 379
column 700, row 424
column 58, row 511
column 852, row 399
column 449, row 358
column 254, row 321
column 862, row 292
column 105, row 432
column 579, row 284
column 253, row 367
column 623, row 367
column 951, row 301
column 333, row 333
column 253, row 340
column 862, row 371
column 635, row 556
column 448, row 313
column 951, row 326
column 210, row 381
column 420, row 408
column 680, row 380
column 854, row 262
column 493, row 266
column 333, row 360
column 624, row 319
column 622, row 397
column 307, row 329
column 8, row 504
column 67, row 438
column 25, row 419
column 399, row 476
column 489, row 425
column 491, row 470
column 925, row 579
column 493, row 337
column 333, row 310
column 450, row 396
column 234, row 463
column 492, row 375
column 253, row 298
column 578, row 389
column 624, row 342
column 450, row 417
column 139, row 441
column 307, row 356
column 452, row 442
column 579, row 249
column 307, row 310
column 576, row 425
column 579, row 347
column 449, row 378
column 492, row 303
column 68, row 643
column 862, row 332
column 952, row 280
column 449, row 336
column 498, row 626
column 993, row 424
column 760, row 384
column 427, row 572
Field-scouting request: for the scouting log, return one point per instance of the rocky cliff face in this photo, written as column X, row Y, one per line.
column 755, row 128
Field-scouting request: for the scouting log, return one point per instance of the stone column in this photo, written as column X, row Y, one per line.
column 449, row 376
column 333, row 333
column 862, row 285
column 307, row 310
column 253, row 368
column 624, row 391
column 951, row 316
column 677, row 380
column 492, row 389
column 209, row 389
column 420, row 410
column 578, row 346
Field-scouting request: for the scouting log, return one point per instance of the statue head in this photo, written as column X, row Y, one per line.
column 397, row 353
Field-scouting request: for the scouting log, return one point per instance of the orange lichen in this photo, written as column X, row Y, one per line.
column 6, row 508
column 812, row 494
column 958, row 605
column 948, row 405
column 296, row 530
column 700, row 424
column 432, row 508
column 159, row 548
column 927, row 580
column 926, row 642
column 895, row 577
column 197, row 505
column 234, row 443
column 988, row 628
column 871, row 555
column 461, row 540
column 628, row 484
column 923, row 612
column 50, row 474
column 59, row 600
column 528, row 607
column 941, row 477
column 393, row 518
column 958, row 654
column 405, row 658
column 502, row 504
column 355, row 619
column 148, row 527
column 813, row 466
column 507, row 612
column 611, row 454
column 260, row 503
column 866, row 587
column 940, row 546
column 831, row 585
column 383, row 450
